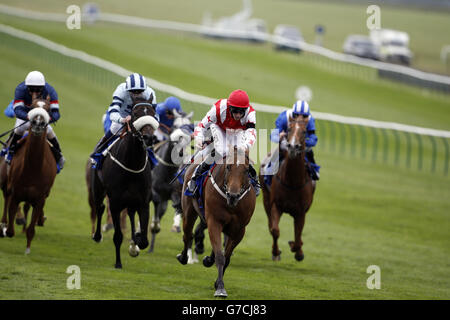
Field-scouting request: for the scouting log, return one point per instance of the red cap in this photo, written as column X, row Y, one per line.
column 238, row 98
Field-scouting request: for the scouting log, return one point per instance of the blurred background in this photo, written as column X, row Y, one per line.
column 381, row 99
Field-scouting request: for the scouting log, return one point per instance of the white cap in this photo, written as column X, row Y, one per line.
column 35, row 78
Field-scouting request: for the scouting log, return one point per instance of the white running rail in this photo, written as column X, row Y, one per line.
column 107, row 65
column 188, row 27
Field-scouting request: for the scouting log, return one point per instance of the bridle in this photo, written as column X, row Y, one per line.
column 223, row 191
column 137, row 135
column 296, row 149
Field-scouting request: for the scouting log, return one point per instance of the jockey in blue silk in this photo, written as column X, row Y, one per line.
column 119, row 112
column 34, row 83
column 165, row 111
column 299, row 109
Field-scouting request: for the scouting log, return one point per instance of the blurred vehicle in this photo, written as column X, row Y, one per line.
column 238, row 26
column 361, row 46
column 392, row 45
column 287, row 37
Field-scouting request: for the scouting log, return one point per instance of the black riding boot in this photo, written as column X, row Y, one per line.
column 57, row 153
column 254, row 178
column 310, row 157
column 12, row 147
column 201, row 168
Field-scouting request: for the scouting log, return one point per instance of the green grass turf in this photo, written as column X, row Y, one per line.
column 340, row 19
column 363, row 214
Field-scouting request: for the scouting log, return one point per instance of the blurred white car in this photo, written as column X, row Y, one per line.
column 287, row 37
column 361, row 46
column 392, row 45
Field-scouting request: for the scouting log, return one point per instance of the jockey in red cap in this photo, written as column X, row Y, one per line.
column 234, row 116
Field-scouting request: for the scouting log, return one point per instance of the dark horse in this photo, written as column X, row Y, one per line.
column 169, row 155
column 229, row 201
column 292, row 190
column 31, row 174
column 125, row 177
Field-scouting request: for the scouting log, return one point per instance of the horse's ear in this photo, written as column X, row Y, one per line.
column 189, row 116
column 176, row 114
column 150, row 99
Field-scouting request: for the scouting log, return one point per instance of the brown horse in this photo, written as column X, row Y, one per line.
column 229, row 202
column 292, row 190
column 32, row 172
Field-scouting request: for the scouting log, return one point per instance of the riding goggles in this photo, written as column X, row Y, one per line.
column 295, row 115
column 35, row 88
column 237, row 110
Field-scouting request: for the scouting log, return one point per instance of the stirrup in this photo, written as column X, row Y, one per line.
column 192, row 186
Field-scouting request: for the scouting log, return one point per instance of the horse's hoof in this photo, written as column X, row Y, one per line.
column 133, row 250
column 299, row 256
column 97, row 238
column 107, row 226
column 221, row 293
column 9, row 234
column 155, row 227
column 183, row 259
column 27, row 251
column 40, row 223
column 276, row 258
column 21, row 221
column 176, row 229
column 207, row 261
column 141, row 241
column 118, row 266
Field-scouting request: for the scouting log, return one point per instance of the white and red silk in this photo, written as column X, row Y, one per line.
column 220, row 115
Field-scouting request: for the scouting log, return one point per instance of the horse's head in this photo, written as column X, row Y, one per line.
column 143, row 121
column 182, row 119
column 236, row 176
column 38, row 115
column 296, row 137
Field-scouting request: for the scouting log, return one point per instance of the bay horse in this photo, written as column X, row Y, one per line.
column 32, row 172
column 125, row 177
column 292, row 190
column 229, row 202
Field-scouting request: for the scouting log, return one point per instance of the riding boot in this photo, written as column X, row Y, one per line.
column 201, row 168
column 254, row 179
column 12, row 147
column 310, row 157
column 57, row 153
column 99, row 147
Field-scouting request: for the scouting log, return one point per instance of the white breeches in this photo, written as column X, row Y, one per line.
column 223, row 140
column 21, row 130
column 115, row 127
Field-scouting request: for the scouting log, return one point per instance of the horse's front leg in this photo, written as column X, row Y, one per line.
column 189, row 217
column 230, row 245
column 141, row 236
column 296, row 246
column 12, row 210
column 3, row 223
column 274, row 220
column 215, row 236
column 38, row 210
column 133, row 250
column 118, row 235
